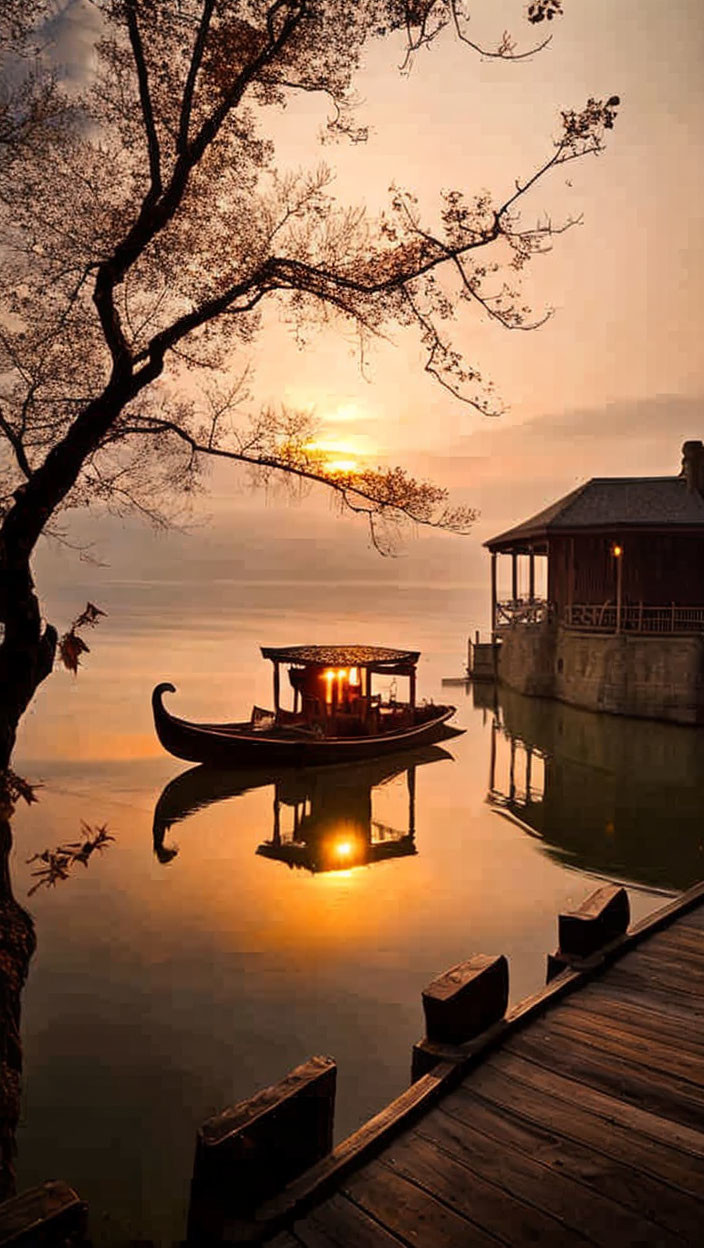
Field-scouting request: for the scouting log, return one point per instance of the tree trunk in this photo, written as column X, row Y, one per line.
column 27, row 648
column 17, row 944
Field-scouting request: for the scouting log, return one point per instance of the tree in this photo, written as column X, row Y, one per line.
column 145, row 226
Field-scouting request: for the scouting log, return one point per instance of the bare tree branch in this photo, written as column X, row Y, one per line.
column 145, row 100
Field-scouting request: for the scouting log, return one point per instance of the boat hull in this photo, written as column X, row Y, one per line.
column 237, row 745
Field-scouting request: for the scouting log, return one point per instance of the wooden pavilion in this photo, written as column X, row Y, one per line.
column 623, row 554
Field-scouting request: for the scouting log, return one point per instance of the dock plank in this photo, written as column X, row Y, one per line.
column 637, row 1011
column 484, row 1203
column 688, row 939
column 676, row 964
column 579, row 1209
column 654, row 1055
column 632, row 1118
column 637, row 1026
column 411, row 1213
column 655, row 1090
column 626, row 980
column 339, row 1223
column 694, row 919
column 645, row 1195
column 554, row 1104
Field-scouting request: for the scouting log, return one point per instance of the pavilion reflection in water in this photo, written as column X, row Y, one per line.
column 323, row 818
column 612, row 795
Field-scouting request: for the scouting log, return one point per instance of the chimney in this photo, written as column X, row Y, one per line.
column 693, row 466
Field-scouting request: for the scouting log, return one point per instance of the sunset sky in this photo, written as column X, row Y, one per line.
column 613, row 383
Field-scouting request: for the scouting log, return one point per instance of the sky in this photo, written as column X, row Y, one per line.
column 626, row 283
column 613, row 383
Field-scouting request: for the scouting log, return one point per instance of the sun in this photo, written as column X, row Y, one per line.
column 339, row 455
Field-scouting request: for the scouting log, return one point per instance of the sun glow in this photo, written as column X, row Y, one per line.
column 342, row 455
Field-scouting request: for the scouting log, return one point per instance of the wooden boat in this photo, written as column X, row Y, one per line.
column 336, row 715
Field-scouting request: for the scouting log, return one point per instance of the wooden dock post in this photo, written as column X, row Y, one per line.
column 583, row 932
column 43, row 1217
column 247, row 1153
column 458, row 1006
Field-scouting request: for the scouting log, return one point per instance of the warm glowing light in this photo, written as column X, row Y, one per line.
column 343, row 849
column 341, row 455
column 617, row 551
column 354, row 675
column 329, row 677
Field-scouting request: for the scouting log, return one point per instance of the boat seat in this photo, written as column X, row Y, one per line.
column 260, row 719
column 290, row 719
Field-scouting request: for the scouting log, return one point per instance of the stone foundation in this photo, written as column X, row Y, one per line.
column 623, row 674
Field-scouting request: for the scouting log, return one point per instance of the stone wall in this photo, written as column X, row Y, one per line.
column 626, row 674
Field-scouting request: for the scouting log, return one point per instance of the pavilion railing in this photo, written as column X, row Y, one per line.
column 521, row 611
column 638, row 618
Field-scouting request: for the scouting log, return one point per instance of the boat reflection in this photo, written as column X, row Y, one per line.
column 323, row 817
column 605, row 793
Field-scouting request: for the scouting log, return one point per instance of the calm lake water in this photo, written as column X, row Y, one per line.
column 196, row 959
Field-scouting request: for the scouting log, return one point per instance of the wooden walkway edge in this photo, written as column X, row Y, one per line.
column 623, row 1060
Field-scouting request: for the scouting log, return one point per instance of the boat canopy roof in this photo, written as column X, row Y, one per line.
column 377, row 657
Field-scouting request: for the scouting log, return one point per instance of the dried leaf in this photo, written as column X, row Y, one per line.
column 13, row 787
column 89, row 616
column 71, row 647
column 58, row 862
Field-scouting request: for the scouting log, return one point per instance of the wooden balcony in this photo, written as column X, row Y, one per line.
column 610, row 618
column 521, row 612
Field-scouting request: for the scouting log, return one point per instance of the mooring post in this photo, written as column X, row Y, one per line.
column 248, row 1153
column 43, row 1216
column 459, row 1005
column 601, row 918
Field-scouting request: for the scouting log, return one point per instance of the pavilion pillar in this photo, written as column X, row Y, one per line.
column 531, row 576
column 514, row 576
column 493, row 594
column 277, row 685
column 412, row 688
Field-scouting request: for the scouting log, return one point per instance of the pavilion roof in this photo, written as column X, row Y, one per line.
column 340, row 656
column 611, row 503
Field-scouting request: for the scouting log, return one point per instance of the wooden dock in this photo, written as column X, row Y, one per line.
column 585, row 1125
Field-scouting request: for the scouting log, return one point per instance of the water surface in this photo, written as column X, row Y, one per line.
column 238, row 924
